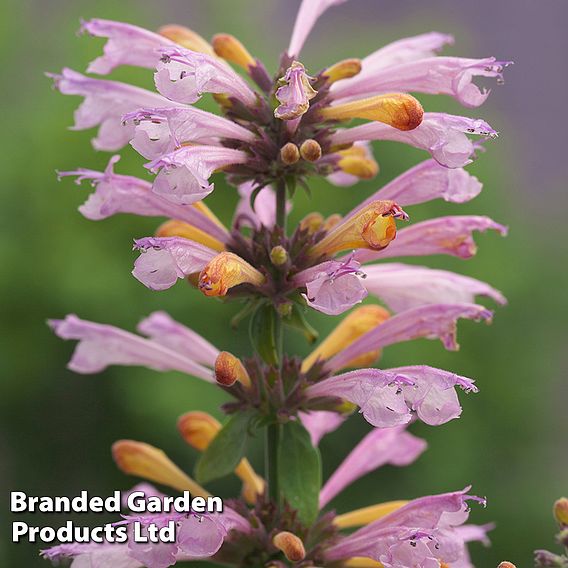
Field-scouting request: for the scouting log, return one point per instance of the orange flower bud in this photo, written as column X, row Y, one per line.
column 310, row 150
column 289, row 153
column 291, row 545
column 186, row 38
column 231, row 49
column 342, row 70
column 357, row 323
column 398, row 110
column 225, row 271
column 229, row 369
column 148, row 462
column 373, row 227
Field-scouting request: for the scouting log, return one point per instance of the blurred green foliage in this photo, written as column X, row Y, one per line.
column 57, row 427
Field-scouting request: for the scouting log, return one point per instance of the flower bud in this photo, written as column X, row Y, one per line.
column 398, row 110
column 561, row 511
column 363, row 168
column 310, row 150
column 312, row 222
column 332, row 221
column 373, row 227
column 342, row 70
column 291, row 545
column 198, row 429
column 278, row 255
column 148, row 462
column 173, row 228
column 357, row 323
column 231, row 49
column 506, row 564
column 229, row 369
column 289, row 153
column 225, row 271
column 186, row 38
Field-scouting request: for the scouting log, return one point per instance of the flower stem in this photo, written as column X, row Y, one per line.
column 273, row 430
column 281, row 204
column 272, row 436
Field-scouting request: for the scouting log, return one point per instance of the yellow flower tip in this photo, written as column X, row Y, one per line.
column 253, row 484
column 398, row 110
column 198, row 429
column 278, row 255
column 310, row 150
column 222, row 100
column 148, row 462
column 363, row 168
column 186, row 38
column 202, row 208
column 506, row 564
column 343, row 70
column 230, row 369
column 225, row 271
column 289, row 153
column 312, row 222
column 332, row 221
column 231, row 49
column 291, row 545
column 561, row 511
column 373, row 227
column 362, row 562
column 174, row 228
column 367, row 515
column 357, row 323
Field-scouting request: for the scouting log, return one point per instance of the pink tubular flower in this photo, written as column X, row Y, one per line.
column 126, row 45
column 264, row 212
column 102, row 345
column 435, row 75
column 165, row 259
column 388, row 398
column 425, row 182
column 332, row 287
column 390, row 446
column 403, row 286
column 423, row 532
column 116, row 193
column 443, row 235
column 320, row 422
column 183, row 175
column 161, row 130
column 405, row 51
column 430, row 321
column 105, row 103
column 444, row 136
column 184, row 75
column 308, row 14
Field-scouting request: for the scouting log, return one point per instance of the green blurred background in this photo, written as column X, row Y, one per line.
column 57, row 427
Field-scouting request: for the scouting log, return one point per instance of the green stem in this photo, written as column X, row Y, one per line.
column 273, row 430
column 271, row 461
column 281, row 204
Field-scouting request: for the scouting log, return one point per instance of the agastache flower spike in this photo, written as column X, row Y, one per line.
column 224, row 272
column 373, row 227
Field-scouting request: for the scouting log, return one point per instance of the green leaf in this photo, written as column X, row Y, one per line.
column 299, row 471
column 263, row 333
column 296, row 320
column 226, row 450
